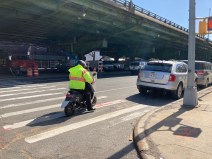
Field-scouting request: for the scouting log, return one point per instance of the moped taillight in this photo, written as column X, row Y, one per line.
column 68, row 96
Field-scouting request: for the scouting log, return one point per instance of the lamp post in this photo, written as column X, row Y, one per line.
column 190, row 95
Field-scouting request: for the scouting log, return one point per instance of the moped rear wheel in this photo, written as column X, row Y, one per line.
column 69, row 109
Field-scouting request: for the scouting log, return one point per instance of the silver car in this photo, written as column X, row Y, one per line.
column 170, row 76
column 136, row 66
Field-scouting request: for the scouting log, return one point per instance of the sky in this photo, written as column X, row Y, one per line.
column 177, row 11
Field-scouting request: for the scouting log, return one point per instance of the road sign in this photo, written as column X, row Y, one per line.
column 93, row 56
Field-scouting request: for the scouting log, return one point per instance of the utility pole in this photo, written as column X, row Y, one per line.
column 209, row 16
column 190, row 95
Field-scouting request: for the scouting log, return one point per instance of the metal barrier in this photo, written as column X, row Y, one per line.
column 129, row 5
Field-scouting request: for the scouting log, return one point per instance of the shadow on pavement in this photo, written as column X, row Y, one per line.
column 151, row 99
column 55, row 118
column 123, row 152
column 170, row 122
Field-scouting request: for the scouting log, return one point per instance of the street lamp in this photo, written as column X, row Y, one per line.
column 190, row 95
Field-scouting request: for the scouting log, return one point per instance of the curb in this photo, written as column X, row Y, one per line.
column 139, row 135
column 139, row 138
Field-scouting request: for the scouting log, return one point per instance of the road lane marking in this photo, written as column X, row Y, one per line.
column 114, row 89
column 101, row 97
column 33, row 102
column 109, row 103
column 25, row 89
column 132, row 116
column 22, row 93
column 28, row 86
column 33, row 121
column 34, row 96
column 28, row 111
column 63, row 129
column 37, row 109
column 39, row 101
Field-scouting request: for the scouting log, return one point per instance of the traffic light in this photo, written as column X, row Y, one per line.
column 203, row 27
column 210, row 24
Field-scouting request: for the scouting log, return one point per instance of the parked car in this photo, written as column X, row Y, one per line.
column 108, row 66
column 135, row 66
column 118, row 66
column 203, row 69
column 170, row 76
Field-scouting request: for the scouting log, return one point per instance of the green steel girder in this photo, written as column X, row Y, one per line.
column 53, row 21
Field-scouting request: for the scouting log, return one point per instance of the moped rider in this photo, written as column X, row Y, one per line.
column 81, row 80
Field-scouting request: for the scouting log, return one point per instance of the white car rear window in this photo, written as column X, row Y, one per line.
column 162, row 67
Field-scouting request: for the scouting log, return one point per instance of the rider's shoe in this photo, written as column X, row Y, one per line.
column 92, row 109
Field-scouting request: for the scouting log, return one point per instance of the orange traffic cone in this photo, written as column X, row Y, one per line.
column 29, row 72
column 35, row 72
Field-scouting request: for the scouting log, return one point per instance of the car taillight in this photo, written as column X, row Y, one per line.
column 172, row 78
column 140, row 74
column 200, row 72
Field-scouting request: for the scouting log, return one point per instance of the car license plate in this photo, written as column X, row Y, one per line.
column 152, row 75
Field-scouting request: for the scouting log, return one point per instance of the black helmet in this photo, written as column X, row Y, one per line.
column 82, row 63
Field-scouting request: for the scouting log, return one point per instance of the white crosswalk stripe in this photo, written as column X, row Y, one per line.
column 33, row 121
column 22, row 86
column 63, row 129
column 26, row 89
column 32, row 110
column 30, row 92
column 28, row 111
column 38, row 101
column 46, row 102
column 33, row 96
column 42, row 119
column 32, row 102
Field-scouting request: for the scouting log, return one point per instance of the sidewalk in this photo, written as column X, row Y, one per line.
column 176, row 132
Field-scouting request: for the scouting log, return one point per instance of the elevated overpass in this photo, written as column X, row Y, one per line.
column 116, row 27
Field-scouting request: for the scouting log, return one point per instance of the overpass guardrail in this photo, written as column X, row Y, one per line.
column 129, row 5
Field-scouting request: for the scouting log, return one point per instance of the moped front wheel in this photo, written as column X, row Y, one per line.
column 94, row 101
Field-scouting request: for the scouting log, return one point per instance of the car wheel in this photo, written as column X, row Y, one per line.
column 142, row 90
column 177, row 94
column 17, row 72
column 206, row 84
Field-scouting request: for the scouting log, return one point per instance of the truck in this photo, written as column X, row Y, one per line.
column 18, row 65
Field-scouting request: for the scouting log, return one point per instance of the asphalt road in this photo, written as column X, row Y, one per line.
column 32, row 125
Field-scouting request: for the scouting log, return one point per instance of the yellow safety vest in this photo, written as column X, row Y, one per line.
column 78, row 76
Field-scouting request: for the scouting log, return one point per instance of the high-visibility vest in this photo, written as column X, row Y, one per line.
column 78, row 76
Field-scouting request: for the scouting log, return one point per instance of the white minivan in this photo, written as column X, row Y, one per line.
column 203, row 69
